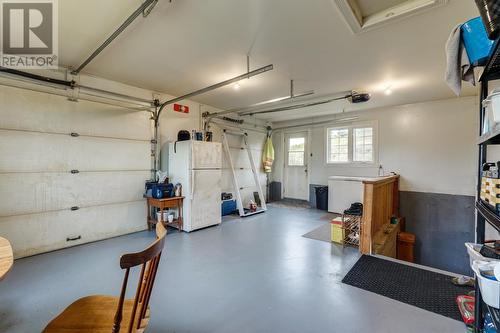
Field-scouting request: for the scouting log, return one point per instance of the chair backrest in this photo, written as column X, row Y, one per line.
column 149, row 259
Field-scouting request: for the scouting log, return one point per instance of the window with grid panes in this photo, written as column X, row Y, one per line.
column 351, row 144
column 363, row 144
column 338, row 145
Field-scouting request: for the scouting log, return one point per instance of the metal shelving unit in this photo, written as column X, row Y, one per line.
column 352, row 226
column 485, row 214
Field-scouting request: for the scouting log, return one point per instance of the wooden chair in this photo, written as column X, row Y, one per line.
column 108, row 314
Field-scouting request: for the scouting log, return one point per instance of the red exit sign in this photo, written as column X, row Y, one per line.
column 181, row 108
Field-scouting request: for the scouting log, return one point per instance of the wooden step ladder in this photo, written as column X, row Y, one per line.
column 241, row 208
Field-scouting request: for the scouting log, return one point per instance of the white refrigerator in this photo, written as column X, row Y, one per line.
column 197, row 165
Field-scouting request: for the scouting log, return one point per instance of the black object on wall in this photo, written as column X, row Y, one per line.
column 442, row 224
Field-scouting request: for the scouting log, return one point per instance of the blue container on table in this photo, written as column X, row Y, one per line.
column 157, row 191
column 160, row 191
column 476, row 41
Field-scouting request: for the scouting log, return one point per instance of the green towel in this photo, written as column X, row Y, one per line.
column 268, row 155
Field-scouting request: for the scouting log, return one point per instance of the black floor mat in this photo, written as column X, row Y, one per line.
column 425, row 289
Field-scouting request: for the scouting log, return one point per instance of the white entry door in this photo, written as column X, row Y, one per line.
column 295, row 173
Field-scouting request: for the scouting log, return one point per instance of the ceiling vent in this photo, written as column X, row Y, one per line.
column 363, row 15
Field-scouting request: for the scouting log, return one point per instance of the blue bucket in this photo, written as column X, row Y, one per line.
column 476, row 41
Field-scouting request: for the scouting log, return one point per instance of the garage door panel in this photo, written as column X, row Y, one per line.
column 23, row 151
column 38, row 233
column 112, row 153
column 49, row 113
column 103, row 154
column 36, row 152
column 33, row 192
column 227, row 181
column 106, row 120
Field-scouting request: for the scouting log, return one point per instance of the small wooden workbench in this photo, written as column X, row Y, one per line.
column 6, row 257
column 162, row 204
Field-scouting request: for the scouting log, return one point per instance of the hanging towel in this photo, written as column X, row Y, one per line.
column 268, row 155
column 458, row 66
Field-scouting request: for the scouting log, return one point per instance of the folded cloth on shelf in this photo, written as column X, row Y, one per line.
column 458, row 66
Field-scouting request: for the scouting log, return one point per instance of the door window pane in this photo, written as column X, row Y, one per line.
column 296, row 151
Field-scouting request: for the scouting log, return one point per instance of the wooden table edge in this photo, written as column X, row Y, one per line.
column 11, row 259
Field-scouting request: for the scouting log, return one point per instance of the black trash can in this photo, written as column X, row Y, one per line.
column 321, row 197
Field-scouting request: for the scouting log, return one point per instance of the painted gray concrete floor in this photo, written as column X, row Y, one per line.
column 256, row 274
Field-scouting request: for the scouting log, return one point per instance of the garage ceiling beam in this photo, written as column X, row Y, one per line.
column 66, row 85
column 294, row 107
column 36, row 77
column 216, row 86
column 144, row 9
column 292, row 96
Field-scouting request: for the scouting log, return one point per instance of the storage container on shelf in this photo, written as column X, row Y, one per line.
column 490, row 289
column 492, row 103
column 476, row 41
column 473, row 251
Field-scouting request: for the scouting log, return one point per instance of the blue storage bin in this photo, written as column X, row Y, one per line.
column 228, row 207
column 160, row 191
column 476, row 41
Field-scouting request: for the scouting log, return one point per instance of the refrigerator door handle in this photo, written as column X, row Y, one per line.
column 192, row 184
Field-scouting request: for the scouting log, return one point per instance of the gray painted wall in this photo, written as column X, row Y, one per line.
column 442, row 224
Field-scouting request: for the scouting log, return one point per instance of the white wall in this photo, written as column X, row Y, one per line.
column 431, row 145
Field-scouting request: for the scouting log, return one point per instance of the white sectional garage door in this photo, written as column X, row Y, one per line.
column 43, row 205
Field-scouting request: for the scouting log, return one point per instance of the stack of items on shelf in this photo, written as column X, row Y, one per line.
column 485, row 262
column 486, row 205
column 490, row 185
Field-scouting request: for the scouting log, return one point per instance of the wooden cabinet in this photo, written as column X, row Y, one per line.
column 380, row 203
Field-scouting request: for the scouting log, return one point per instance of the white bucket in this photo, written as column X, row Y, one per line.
column 492, row 105
column 473, row 251
column 490, row 289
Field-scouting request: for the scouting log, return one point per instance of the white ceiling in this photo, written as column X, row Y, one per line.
column 189, row 44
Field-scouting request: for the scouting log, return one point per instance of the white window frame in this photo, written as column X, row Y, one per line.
column 350, row 150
